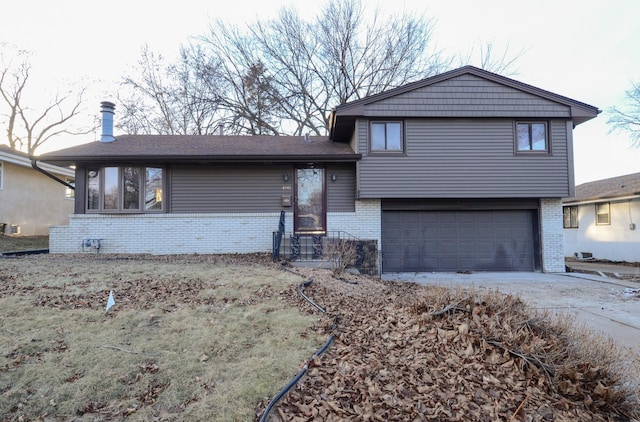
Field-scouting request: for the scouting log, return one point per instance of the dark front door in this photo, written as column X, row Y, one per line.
column 310, row 201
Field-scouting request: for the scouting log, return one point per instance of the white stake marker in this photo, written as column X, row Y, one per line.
column 111, row 301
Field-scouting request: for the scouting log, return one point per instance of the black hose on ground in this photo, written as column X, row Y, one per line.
column 295, row 379
column 301, row 293
column 305, row 368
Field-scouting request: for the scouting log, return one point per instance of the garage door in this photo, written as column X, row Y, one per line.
column 458, row 240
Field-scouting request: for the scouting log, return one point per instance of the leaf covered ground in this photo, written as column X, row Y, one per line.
column 410, row 353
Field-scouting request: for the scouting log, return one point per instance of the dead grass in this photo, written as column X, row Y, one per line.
column 213, row 338
column 189, row 338
column 22, row 243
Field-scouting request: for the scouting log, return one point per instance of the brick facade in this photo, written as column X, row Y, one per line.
column 552, row 236
column 215, row 233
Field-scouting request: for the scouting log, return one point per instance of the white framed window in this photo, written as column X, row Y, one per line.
column 570, row 217
column 603, row 214
column 68, row 192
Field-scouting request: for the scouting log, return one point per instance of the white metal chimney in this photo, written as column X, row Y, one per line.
column 108, row 110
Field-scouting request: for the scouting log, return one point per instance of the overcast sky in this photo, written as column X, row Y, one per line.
column 588, row 50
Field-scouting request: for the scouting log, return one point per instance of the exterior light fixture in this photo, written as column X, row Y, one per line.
column 285, row 177
column 334, row 177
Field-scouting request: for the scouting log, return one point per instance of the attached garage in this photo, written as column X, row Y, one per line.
column 460, row 236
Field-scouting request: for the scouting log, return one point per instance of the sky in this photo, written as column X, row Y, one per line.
column 587, row 50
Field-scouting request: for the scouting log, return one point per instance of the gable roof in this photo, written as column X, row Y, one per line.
column 612, row 188
column 20, row 158
column 343, row 116
column 204, row 149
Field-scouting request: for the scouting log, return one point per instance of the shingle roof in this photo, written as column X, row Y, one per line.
column 22, row 159
column 7, row 150
column 343, row 116
column 614, row 187
column 179, row 148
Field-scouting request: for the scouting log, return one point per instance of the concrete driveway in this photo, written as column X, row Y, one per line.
column 610, row 306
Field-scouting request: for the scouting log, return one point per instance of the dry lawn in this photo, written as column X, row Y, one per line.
column 189, row 338
column 22, row 243
column 199, row 338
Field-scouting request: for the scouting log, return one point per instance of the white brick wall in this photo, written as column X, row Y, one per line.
column 365, row 223
column 552, row 235
column 162, row 234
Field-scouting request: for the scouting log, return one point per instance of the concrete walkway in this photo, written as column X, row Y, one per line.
column 606, row 305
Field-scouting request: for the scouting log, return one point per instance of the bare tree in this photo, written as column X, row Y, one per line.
column 626, row 117
column 284, row 75
column 27, row 128
column 486, row 56
column 315, row 65
column 173, row 99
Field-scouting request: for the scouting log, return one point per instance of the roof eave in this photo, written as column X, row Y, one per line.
column 84, row 160
column 593, row 200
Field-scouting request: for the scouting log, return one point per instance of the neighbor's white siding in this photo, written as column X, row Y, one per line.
column 615, row 242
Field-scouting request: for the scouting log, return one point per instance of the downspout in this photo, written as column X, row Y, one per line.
column 34, row 164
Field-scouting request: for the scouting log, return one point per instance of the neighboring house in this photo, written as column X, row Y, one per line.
column 461, row 171
column 602, row 220
column 31, row 202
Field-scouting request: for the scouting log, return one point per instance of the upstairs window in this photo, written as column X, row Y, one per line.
column 570, row 217
column 125, row 189
column 532, row 136
column 603, row 214
column 386, row 137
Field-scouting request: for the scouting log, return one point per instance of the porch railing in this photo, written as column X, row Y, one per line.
column 329, row 248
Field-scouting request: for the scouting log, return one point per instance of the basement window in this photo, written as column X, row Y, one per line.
column 603, row 214
column 125, row 189
column 570, row 217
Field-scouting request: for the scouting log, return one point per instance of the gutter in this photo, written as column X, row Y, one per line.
column 34, row 164
column 628, row 197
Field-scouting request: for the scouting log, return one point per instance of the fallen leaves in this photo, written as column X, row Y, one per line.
column 403, row 352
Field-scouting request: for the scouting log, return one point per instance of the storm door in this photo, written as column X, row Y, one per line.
column 310, row 214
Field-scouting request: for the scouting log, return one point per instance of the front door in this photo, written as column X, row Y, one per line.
column 310, row 207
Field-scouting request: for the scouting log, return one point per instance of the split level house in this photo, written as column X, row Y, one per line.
column 465, row 170
column 602, row 220
column 30, row 200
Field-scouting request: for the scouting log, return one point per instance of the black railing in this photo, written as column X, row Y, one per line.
column 333, row 248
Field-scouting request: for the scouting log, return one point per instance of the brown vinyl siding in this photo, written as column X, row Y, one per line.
column 464, row 158
column 250, row 188
column 467, row 96
column 341, row 193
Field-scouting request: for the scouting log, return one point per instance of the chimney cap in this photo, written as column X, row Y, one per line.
column 107, row 106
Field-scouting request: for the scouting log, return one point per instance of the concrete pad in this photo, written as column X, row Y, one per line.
column 608, row 306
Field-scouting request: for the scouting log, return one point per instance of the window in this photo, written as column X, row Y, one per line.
column 570, row 215
column 125, row 189
column 531, row 136
column 603, row 216
column 386, row 136
column 68, row 192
